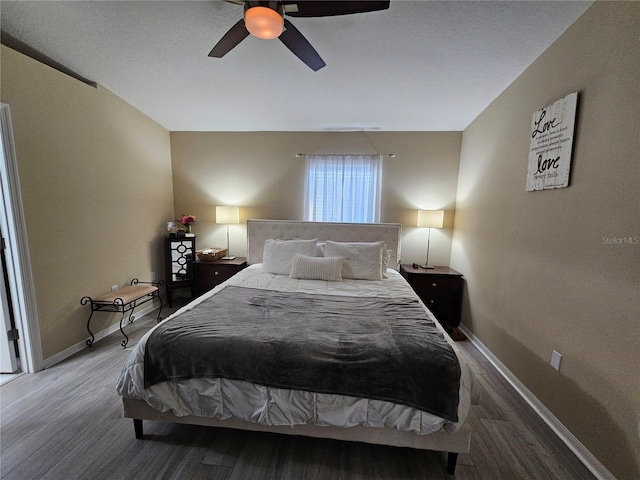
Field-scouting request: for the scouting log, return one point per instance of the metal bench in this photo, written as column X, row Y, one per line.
column 124, row 300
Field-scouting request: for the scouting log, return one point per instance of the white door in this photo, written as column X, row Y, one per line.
column 8, row 363
column 18, row 265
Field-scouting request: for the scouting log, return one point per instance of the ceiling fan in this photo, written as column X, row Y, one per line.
column 265, row 19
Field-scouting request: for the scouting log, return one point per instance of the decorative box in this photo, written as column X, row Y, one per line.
column 211, row 254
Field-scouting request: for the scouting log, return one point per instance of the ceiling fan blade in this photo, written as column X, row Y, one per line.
column 233, row 37
column 330, row 8
column 300, row 46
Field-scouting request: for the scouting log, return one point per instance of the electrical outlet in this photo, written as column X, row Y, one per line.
column 555, row 360
column 153, row 276
column 114, row 288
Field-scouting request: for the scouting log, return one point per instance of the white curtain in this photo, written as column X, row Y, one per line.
column 343, row 188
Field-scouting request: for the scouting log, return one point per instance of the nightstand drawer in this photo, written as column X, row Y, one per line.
column 216, row 276
column 445, row 309
column 435, row 285
column 439, row 300
column 208, row 275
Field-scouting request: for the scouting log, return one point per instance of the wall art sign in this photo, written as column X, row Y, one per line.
column 552, row 131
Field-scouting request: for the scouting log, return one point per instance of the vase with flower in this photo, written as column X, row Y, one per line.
column 187, row 221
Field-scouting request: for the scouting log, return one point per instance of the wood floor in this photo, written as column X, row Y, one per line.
column 66, row 423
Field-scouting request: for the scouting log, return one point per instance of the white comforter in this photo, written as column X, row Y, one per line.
column 222, row 398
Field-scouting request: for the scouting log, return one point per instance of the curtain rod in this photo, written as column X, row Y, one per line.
column 391, row 155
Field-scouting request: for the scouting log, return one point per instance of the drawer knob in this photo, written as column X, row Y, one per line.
column 434, row 284
column 432, row 301
column 215, row 273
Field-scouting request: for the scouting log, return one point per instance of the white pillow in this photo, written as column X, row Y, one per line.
column 278, row 254
column 386, row 256
column 316, row 268
column 362, row 260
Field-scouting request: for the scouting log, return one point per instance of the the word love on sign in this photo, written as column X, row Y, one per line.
column 551, row 143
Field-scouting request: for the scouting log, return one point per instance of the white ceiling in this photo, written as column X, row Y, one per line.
column 419, row 66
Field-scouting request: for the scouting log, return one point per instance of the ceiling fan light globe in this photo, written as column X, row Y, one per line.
column 263, row 22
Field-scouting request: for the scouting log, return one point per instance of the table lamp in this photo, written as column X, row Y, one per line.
column 430, row 219
column 227, row 215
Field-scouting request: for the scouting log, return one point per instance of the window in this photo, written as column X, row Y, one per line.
column 343, row 188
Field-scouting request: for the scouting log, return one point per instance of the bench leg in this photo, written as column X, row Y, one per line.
column 126, row 339
column 90, row 341
column 452, row 459
column 132, row 317
column 159, row 311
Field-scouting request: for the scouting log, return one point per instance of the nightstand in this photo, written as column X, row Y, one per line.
column 440, row 289
column 207, row 275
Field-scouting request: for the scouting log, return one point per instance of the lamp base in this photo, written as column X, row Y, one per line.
column 428, row 267
column 228, row 257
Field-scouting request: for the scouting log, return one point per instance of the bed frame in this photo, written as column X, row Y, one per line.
column 257, row 232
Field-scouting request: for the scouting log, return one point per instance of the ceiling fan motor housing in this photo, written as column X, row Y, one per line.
column 264, row 19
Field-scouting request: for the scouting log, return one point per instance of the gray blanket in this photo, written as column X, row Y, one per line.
column 375, row 348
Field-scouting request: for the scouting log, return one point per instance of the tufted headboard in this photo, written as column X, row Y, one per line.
column 260, row 230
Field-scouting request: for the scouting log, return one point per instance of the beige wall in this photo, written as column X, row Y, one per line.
column 96, row 188
column 97, row 184
column 259, row 172
column 539, row 274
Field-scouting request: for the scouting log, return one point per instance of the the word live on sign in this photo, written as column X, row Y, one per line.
column 551, row 143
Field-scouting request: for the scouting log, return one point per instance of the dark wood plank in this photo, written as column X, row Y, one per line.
column 265, row 451
column 81, row 457
column 225, row 448
column 466, row 472
column 486, row 456
column 210, row 471
column 187, row 445
column 115, row 460
column 321, row 459
column 51, row 436
column 489, row 406
column 520, row 459
column 66, row 422
column 354, row 461
column 296, row 462
column 405, row 463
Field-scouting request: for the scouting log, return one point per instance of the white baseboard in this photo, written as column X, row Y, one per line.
column 584, row 455
column 73, row 349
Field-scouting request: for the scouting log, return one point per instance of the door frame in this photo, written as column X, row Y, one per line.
column 8, row 360
column 19, row 274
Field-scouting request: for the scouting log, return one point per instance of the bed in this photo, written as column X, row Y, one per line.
column 302, row 278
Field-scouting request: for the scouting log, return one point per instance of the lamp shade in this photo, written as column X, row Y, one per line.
column 227, row 214
column 263, row 22
column 430, row 218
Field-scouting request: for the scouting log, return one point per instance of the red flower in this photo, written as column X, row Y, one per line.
column 187, row 219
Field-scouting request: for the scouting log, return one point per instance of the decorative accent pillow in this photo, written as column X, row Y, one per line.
column 316, row 268
column 278, row 254
column 386, row 255
column 362, row 260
